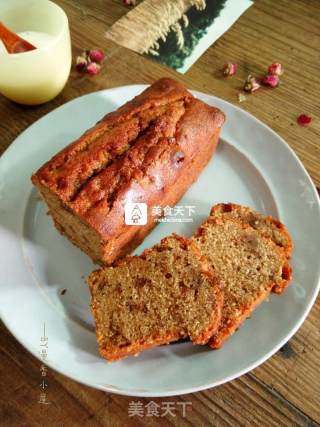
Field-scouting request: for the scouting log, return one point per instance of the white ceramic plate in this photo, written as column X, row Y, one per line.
column 253, row 166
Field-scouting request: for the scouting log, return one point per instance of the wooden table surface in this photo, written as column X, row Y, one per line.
column 284, row 391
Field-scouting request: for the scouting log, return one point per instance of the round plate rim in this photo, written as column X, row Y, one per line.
column 169, row 392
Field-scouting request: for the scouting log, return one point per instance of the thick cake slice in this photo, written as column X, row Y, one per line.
column 148, row 151
column 248, row 264
column 267, row 225
column 167, row 293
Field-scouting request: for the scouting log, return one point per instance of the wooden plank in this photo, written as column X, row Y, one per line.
column 293, row 373
column 107, row 12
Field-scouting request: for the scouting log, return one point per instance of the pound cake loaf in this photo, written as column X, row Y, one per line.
column 267, row 225
column 148, row 151
column 161, row 296
column 249, row 265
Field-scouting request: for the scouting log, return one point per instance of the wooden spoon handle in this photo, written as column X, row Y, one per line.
column 13, row 43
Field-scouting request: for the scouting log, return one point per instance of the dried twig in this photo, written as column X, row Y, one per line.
column 142, row 28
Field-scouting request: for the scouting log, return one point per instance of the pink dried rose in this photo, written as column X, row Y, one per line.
column 251, row 84
column 230, row 69
column 275, row 69
column 81, row 63
column 304, row 120
column 96, row 55
column 89, row 61
column 271, row 80
column 93, row 68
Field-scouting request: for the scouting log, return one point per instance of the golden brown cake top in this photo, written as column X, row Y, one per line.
column 69, row 170
column 141, row 145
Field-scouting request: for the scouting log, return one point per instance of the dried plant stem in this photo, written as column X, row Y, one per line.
column 150, row 21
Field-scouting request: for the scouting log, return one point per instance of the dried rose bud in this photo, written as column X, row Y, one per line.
column 251, row 84
column 271, row 80
column 93, row 68
column 230, row 69
column 129, row 2
column 96, row 55
column 276, row 69
column 81, row 63
column 304, row 120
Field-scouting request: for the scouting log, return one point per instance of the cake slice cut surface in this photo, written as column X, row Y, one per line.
column 166, row 294
column 265, row 224
column 248, row 264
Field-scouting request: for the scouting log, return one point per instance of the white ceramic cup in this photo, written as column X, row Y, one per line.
column 36, row 76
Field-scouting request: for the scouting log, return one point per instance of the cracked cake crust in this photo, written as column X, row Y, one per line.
column 150, row 150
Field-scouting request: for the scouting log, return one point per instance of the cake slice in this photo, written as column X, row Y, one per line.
column 267, row 225
column 163, row 295
column 248, row 264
